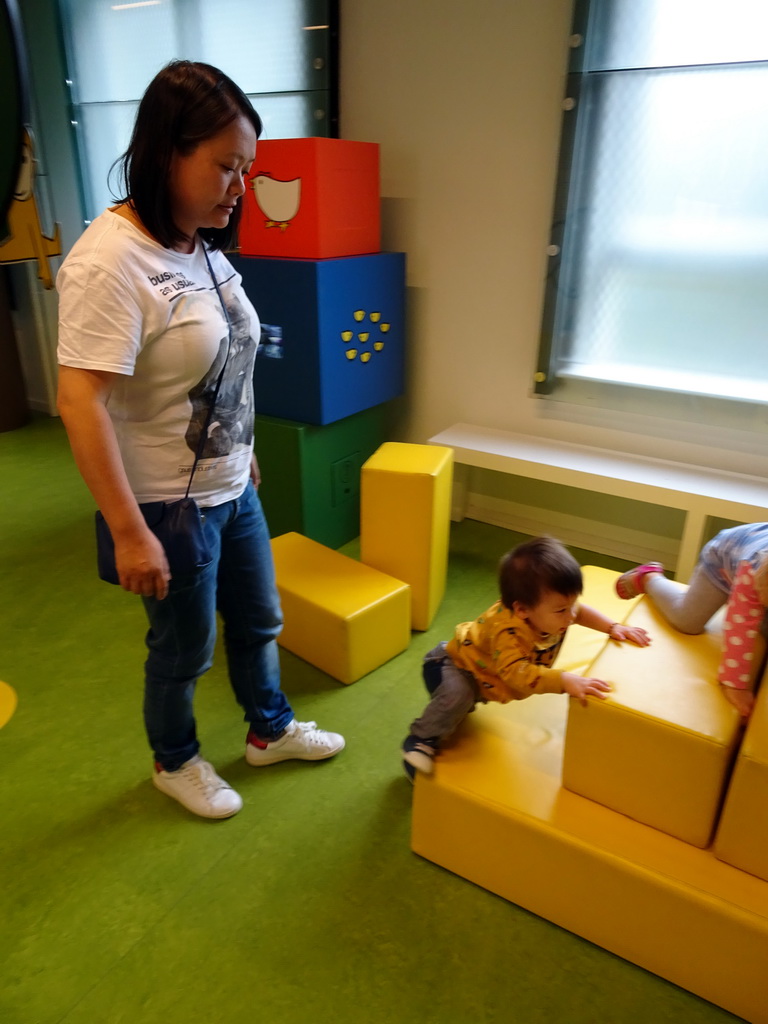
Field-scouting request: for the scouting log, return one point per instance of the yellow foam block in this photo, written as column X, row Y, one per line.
column 659, row 748
column 494, row 813
column 7, row 702
column 344, row 617
column 742, row 835
column 405, row 512
column 583, row 645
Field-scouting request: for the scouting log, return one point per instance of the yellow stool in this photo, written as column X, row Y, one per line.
column 7, row 702
column 742, row 836
column 341, row 616
column 659, row 748
column 405, row 511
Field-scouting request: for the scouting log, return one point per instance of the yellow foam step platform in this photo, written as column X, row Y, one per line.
column 405, row 513
column 494, row 813
column 660, row 747
column 339, row 615
column 742, row 835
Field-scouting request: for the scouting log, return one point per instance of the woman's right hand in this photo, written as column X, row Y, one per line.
column 142, row 565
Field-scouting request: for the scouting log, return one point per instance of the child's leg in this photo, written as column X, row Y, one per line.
column 688, row 610
column 432, row 668
column 741, row 640
column 453, row 693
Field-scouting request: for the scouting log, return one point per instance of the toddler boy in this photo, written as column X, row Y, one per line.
column 507, row 652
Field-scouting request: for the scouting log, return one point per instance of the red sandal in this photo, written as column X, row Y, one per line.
column 632, row 583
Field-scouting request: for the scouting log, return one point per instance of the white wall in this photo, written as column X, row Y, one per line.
column 464, row 98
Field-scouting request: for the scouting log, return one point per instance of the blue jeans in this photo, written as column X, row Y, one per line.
column 240, row 584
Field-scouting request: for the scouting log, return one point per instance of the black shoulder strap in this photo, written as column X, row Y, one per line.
column 204, row 431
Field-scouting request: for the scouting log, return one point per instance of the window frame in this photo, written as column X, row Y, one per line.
column 580, row 114
column 328, row 127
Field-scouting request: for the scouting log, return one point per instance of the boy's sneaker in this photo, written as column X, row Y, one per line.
column 418, row 755
column 198, row 788
column 301, row 740
column 632, row 583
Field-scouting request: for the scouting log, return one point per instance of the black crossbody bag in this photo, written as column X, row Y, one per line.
column 178, row 525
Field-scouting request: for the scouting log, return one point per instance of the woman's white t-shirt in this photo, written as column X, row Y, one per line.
column 152, row 315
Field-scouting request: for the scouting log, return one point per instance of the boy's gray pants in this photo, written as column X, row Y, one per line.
column 454, row 695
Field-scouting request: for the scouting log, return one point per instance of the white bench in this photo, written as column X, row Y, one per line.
column 697, row 491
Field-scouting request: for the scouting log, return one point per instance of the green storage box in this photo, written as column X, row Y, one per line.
column 311, row 474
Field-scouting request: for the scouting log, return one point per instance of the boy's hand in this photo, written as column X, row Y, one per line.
column 581, row 688
column 742, row 700
column 632, row 634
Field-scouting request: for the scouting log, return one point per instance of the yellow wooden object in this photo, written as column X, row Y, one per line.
column 7, row 702
column 659, row 748
column 742, row 836
column 583, row 645
column 405, row 511
column 344, row 617
column 494, row 813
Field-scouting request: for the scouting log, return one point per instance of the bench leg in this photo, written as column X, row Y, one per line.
column 690, row 544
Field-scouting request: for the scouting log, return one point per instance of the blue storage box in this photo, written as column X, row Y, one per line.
column 332, row 340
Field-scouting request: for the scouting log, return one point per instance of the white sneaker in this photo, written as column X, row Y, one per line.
column 198, row 788
column 302, row 740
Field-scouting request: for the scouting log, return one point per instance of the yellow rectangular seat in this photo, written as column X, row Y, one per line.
column 494, row 813
column 405, row 511
column 339, row 615
column 660, row 747
column 742, row 835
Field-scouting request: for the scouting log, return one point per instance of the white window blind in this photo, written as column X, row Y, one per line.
column 280, row 52
column 660, row 247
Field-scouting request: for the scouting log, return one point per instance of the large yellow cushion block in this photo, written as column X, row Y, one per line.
column 660, row 747
column 405, row 512
column 344, row 617
column 495, row 814
column 742, row 836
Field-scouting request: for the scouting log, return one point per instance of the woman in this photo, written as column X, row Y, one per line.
column 143, row 337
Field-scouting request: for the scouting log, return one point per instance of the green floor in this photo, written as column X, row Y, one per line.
column 306, row 908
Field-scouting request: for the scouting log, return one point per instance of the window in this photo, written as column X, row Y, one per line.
column 659, row 254
column 282, row 53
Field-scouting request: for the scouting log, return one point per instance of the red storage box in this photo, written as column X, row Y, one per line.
column 312, row 199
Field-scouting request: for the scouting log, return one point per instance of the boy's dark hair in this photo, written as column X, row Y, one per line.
column 185, row 104
column 531, row 569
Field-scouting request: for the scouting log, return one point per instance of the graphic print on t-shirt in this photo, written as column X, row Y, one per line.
column 231, row 423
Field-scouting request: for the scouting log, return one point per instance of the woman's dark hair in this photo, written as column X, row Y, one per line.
column 538, row 566
column 185, row 104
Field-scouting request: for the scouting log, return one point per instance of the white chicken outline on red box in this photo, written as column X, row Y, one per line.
column 278, row 200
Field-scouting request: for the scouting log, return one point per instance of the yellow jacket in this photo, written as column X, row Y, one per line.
column 508, row 659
